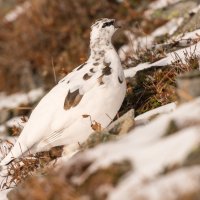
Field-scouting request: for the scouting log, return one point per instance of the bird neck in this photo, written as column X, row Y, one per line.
column 99, row 46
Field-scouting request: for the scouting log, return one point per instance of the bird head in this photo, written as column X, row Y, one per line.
column 103, row 29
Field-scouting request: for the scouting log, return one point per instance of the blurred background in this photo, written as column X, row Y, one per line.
column 37, row 35
column 43, row 40
column 159, row 41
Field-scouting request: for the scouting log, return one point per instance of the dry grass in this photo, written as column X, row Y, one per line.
column 48, row 187
column 142, row 56
column 52, row 33
column 156, row 86
column 162, row 83
column 62, row 184
column 26, row 166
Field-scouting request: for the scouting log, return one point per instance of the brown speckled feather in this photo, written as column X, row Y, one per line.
column 72, row 99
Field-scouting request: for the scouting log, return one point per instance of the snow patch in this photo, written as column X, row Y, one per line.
column 170, row 57
column 3, row 194
column 176, row 184
column 148, row 147
column 17, row 99
column 147, row 41
column 161, row 4
column 15, row 13
column 160, row 110
column 15, row 121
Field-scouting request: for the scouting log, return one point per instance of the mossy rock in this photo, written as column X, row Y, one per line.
column 175, row 10
column 97, row 138
column 109, row 176
column 61, row 185
column 191, row 24
column 118, row 127
column 193, row 158
column 171, row 129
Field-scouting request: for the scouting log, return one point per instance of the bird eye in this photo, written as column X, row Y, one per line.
column 108, row 24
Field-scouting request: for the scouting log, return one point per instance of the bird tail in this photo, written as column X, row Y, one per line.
column 16, row 151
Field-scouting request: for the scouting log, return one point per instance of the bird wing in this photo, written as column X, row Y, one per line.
column 61, row 107
column 56, row 111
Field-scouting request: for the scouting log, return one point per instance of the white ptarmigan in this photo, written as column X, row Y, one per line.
column 96, row 88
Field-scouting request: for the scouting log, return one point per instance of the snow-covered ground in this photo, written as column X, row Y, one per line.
column 170, row 57
column 160, row 110
column 15, row 100
column 158, row 4
column 147, row 41
column 157, row 148
column 150, row 149
column 3, row 194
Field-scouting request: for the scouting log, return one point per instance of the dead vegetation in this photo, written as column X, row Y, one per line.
column 26, row 166
column 62, row 184
column 45, row 188
column 142, row 56
column 156, row 86
column 54, row 37
column 47, row 35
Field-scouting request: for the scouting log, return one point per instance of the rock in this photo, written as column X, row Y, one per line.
column 180, row 184
column 62, row 184
column 176, row 10
column 154, row 156
column 117, row 128
column 188, row 86
column 5, row 114
column 192, row 25
column 42, row 189
column 193, row 157
column 123, row 124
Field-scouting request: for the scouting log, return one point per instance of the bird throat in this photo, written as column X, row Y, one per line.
column 99, row 46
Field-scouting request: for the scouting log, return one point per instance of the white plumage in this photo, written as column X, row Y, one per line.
column 96, row 88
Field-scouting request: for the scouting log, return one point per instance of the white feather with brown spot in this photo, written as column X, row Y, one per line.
column 58, row 118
